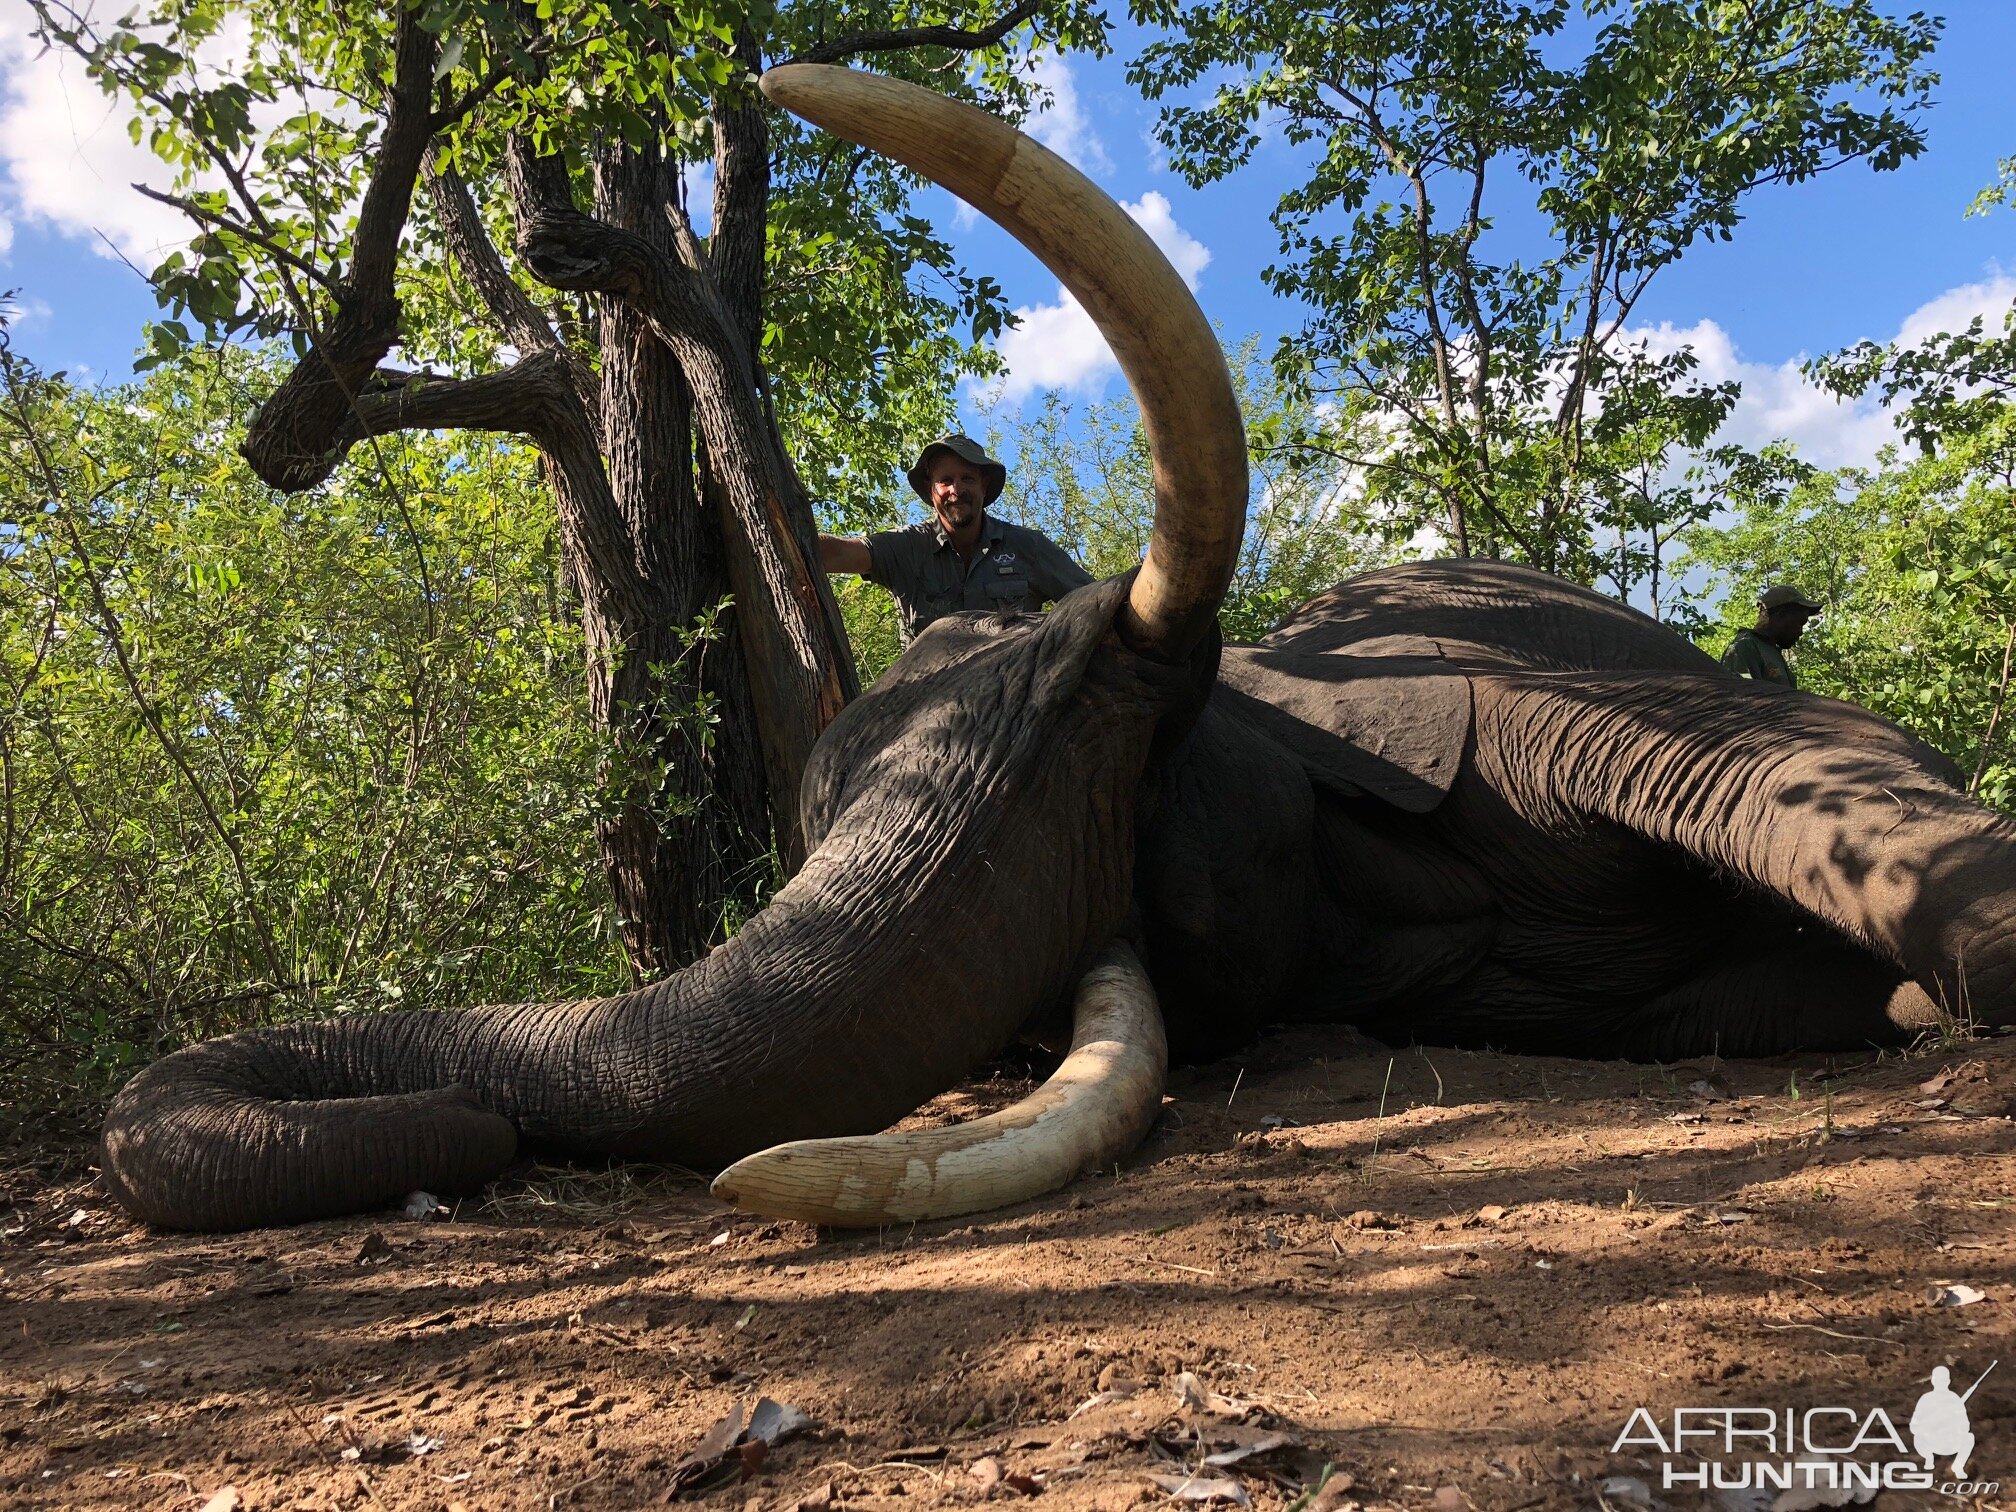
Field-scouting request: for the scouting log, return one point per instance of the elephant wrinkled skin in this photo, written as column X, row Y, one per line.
column 1456, row 802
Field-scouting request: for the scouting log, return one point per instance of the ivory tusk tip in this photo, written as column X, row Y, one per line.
column 789, row 84
column 1095, row 1108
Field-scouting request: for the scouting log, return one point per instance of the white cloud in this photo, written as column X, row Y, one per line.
column 66, row 161
column 1990, row 299
column 1190, row 257
column 1062, row 125
column 964, row 216
column 1155, row 157
column 1780, row 402
column 27, row 313
column 1056, row 346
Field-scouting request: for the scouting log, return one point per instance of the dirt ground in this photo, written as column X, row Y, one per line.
column 1355, row 1277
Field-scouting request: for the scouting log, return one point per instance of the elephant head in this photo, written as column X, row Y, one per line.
column 972, row 823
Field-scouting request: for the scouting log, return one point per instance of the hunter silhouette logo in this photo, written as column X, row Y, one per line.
column 1939, row 1425
column 1830, row 1448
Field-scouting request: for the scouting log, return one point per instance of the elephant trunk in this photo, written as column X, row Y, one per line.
column 954, row 893
column 831, row 1013
column 1165, row 346
column 1808, row 798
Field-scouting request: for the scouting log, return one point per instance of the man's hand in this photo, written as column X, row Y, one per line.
column 844, row 554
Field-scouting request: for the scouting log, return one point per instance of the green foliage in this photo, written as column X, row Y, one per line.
column 1915, row 559
column 1916, row 562
column 252, row 768
column 870, row 320
column 1491, row 372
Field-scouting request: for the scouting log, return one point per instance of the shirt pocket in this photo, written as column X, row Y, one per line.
column 1008, row 592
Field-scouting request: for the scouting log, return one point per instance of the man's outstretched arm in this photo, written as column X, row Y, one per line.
column 844, row 554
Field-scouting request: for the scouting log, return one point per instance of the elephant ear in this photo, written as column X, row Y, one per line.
column 1390, row 720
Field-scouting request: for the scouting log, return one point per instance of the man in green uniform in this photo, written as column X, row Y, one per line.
column 962, row 557
column 1759, row 652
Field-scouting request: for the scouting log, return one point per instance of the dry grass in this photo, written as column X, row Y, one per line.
column 583, row 1195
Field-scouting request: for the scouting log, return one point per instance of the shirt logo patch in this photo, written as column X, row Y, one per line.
column 1004, row 561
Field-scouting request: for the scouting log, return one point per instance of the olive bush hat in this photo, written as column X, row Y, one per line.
column 1781, row 594
column 993, row 474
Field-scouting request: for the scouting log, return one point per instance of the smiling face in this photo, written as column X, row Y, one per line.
column 958, row 496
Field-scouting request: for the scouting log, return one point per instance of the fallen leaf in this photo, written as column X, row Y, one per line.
column 420, row 1444
column 1194, row 1488
column 1939, row 1082
column 1334, row 1494
column 1955, row 1295
column 707, row 1456
column 374, row 1250
column 1627, row 1491
column 1016, row 1480
column 986, row 1473
column 1100, row 1399
column 1261, row 1442
column 1194, row 1396
column 819, row 1499
column 224, row 1499
column 739, row 1441
column 773, row 1422
column 718, row 1240
column 1491, row 1213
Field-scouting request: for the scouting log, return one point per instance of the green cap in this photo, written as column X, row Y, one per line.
column 966, row 449
column 1778, row 595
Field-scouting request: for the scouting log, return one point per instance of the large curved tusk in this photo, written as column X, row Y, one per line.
column 1094, row 1109
column 1163, row 342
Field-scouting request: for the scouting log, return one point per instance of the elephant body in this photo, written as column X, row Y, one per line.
column 1454, row 802
column 1468, row 803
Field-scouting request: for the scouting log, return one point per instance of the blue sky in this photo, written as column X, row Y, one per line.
column 1814, row 267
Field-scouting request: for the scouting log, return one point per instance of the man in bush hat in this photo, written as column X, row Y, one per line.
column 1759, row 652
column 962, row 557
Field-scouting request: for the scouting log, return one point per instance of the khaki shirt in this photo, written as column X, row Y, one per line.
column 1015, row 568
column 1750, row 655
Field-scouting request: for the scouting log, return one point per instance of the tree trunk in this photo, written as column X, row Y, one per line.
column 692, row 838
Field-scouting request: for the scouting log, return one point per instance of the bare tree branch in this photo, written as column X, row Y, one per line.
column 919, row 36
column 518, row 400
column 245, row 233
column 455, row 110
column 462, row 228
column 290, row 440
